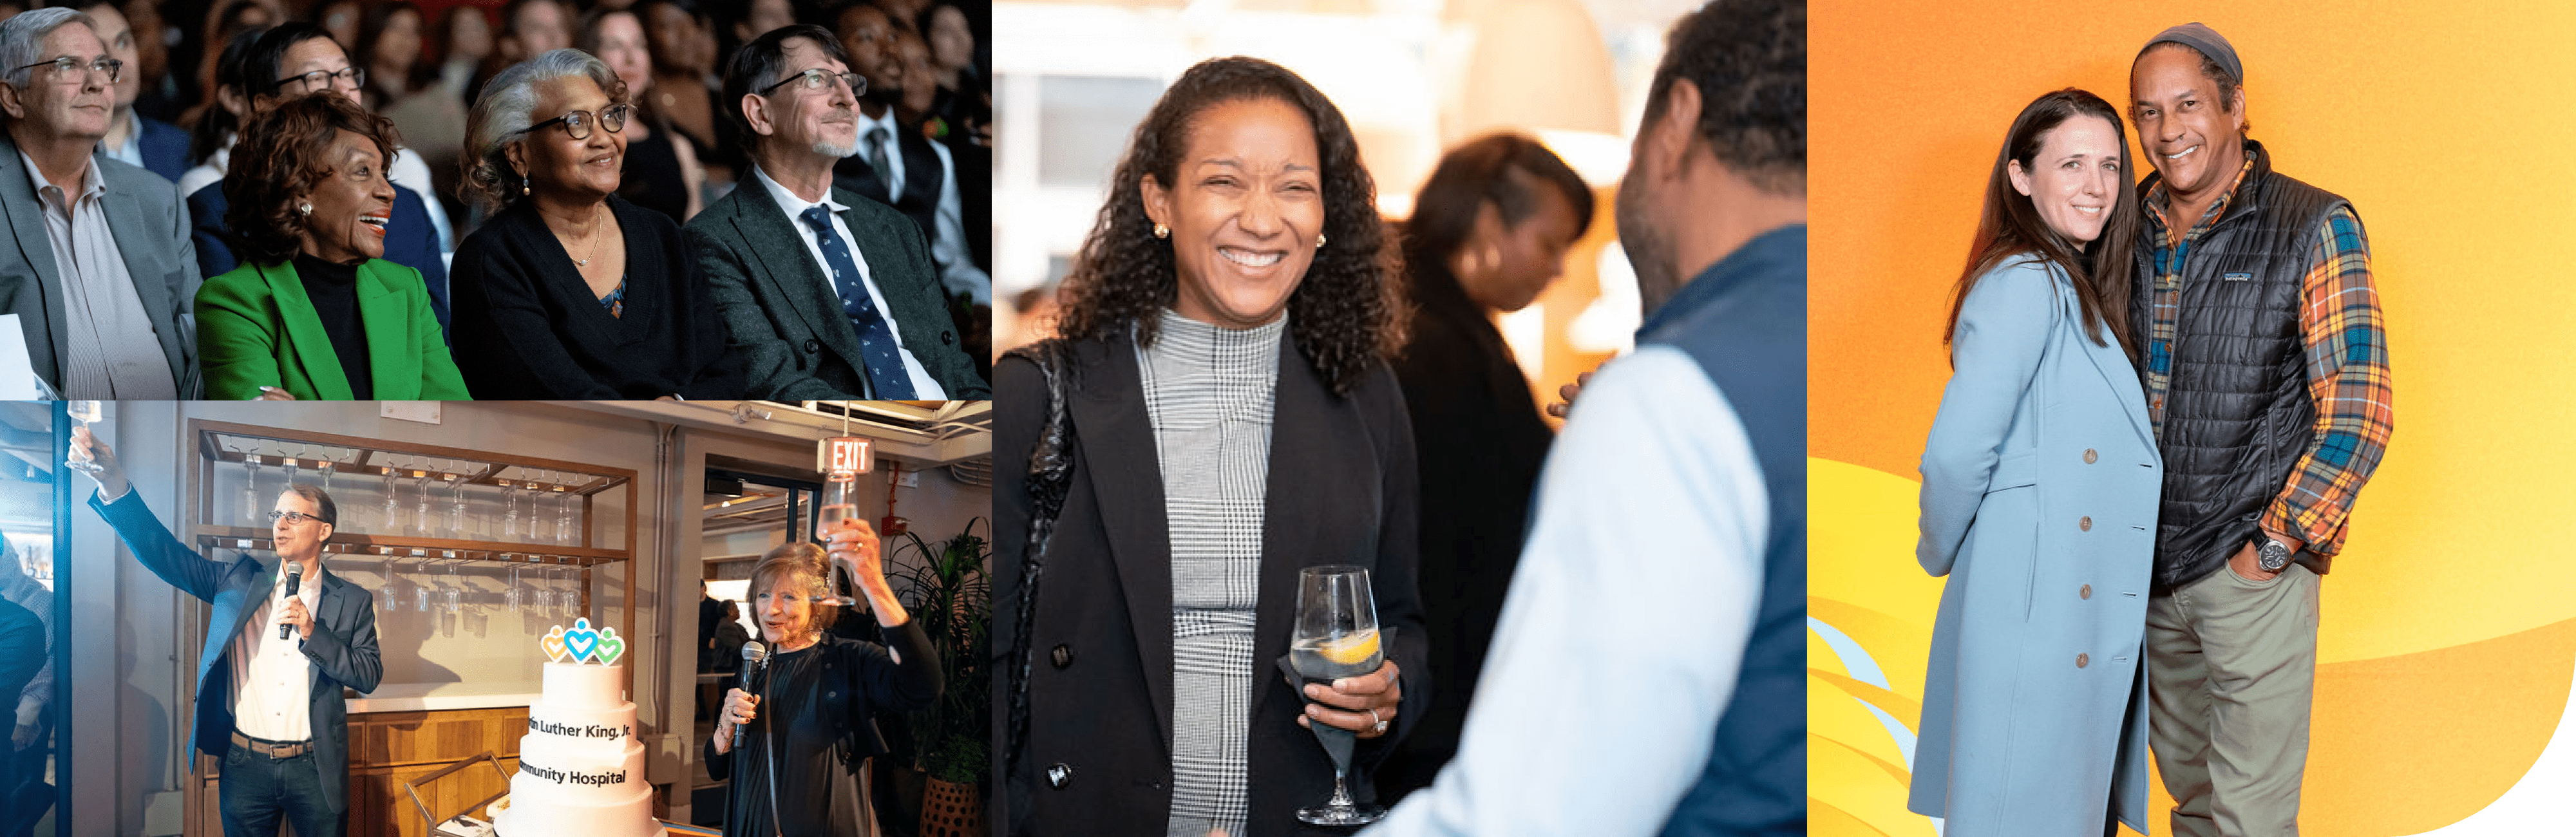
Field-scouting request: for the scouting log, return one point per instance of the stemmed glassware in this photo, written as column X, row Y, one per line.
column 510, row 597
column 420, row 590
column 510, row 521
column 250, row 487
column 428, row 524
column 1336, row 636
column 455, row 588
column 566, row 532
column 293, row 465
column 393, row 502
column 387, row 595
column 87, row 413
column 545, row 589
column 456, row 506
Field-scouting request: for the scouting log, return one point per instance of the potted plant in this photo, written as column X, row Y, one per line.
column 945, row 587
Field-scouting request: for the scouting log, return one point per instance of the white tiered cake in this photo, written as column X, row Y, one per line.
column 581, row 771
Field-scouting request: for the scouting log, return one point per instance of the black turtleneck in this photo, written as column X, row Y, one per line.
column 334, row 291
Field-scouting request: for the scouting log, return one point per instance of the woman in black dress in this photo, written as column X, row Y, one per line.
column 806, row 726
column 570, row 291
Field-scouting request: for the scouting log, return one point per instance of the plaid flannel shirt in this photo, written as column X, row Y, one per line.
column 2347, row 363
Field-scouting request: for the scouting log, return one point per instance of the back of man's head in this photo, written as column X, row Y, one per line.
column 1749, row 60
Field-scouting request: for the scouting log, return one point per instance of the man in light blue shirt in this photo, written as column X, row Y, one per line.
column 1647, row 677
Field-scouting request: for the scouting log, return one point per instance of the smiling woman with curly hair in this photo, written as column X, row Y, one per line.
column 315, row 311
column 1215, row 415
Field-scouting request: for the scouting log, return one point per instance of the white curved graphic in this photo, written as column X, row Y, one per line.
column 2537, row 803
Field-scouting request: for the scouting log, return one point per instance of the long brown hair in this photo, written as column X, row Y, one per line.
column 2104, row 270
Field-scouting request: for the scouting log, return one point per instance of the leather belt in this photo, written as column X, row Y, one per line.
column 273, row 750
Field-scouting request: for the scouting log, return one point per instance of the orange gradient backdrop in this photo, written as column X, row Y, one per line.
column 2449, row 624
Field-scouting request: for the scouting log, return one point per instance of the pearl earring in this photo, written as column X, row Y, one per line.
column 1319, row 241
column 304, row 208
column 523, row 184
column 1161, row 231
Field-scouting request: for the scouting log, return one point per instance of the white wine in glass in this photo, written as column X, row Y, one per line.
column 87, row 413
column 1336, row 636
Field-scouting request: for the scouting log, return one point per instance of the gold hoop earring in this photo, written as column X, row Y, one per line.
column 1161, row 231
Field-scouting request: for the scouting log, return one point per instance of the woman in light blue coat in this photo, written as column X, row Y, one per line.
column 2039, row 500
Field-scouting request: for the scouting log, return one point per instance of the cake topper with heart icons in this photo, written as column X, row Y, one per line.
column 554, row 643
column 581, row 641
column 610, row 647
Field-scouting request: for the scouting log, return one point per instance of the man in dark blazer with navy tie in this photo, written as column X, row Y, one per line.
column 830, row 295
column 269, row 678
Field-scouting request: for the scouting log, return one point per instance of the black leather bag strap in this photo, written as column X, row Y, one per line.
column 1049, row 478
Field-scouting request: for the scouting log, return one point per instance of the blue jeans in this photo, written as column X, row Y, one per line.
column 258, row 791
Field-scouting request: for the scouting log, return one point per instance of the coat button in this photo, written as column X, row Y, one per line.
column 1062, row 655
column 812, row 345
column 948, row 338
column 2080, row 660
column 1058, row 774
column 2085, row 524
column 2085, row 593
column 2090, row 456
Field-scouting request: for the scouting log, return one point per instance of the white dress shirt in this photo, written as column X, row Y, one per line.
column 957, row 270
column 1626, row 623
column 272, row 679
column 924, row 386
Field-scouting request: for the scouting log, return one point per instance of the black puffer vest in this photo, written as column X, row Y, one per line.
column 2237, row 415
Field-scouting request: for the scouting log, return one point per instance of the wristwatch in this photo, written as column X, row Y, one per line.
column 2274, row 554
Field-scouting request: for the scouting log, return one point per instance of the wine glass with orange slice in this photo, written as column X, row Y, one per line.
column 1336, row 637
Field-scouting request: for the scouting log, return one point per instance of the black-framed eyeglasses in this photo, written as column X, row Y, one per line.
column 577, row 123
column 110, row 67
column 321, row 79
column 291, row 518
column 818, row 78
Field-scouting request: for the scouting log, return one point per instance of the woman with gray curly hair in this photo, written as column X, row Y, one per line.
column 570, row 291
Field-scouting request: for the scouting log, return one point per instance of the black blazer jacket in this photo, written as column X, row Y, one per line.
column 1341, row 490
column 527, row 327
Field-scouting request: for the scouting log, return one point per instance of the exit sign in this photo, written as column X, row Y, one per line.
column 852, row 454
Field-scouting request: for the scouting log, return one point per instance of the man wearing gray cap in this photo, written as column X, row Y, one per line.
column 2266, row 370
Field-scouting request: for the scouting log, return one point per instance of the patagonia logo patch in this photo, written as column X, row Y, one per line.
column 2240, row 277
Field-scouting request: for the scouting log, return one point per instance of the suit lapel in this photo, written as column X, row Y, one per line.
column 1313, row 500
column 327, row 615
column 264, row 581
column 1120, row 457
column 46, row 342
column 785, row 263
column 390, row 357
column 2122, row 376
column 307, row 345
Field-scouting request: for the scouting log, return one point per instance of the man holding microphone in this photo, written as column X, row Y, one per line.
column 281, row 642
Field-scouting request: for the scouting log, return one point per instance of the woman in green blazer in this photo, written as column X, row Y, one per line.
column 314, row 311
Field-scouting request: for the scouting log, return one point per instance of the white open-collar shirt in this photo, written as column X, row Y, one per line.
column 272, row 679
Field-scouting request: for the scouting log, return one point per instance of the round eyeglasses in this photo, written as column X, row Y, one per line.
column 291, row 518
column 354, row 77
column 109, row 67
column 818, row 78
column 577, row 123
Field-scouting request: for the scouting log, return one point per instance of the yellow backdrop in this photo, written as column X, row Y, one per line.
column 2445, row 653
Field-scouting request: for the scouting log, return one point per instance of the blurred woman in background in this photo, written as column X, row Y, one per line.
column 662, row 171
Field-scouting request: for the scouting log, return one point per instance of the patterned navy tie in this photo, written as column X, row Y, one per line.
column 877, row 346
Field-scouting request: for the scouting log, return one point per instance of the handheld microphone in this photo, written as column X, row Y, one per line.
column 753, row 655
column 294, row 581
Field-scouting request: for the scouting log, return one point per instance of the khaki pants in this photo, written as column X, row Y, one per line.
column 2231, row 669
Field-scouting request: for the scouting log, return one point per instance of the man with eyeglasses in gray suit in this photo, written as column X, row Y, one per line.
column 102, row 274
column 281, row 641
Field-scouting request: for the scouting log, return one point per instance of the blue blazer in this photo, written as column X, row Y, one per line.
column 2040, row 483
column 165, row 148
column 410, row 240
column 342, row 649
